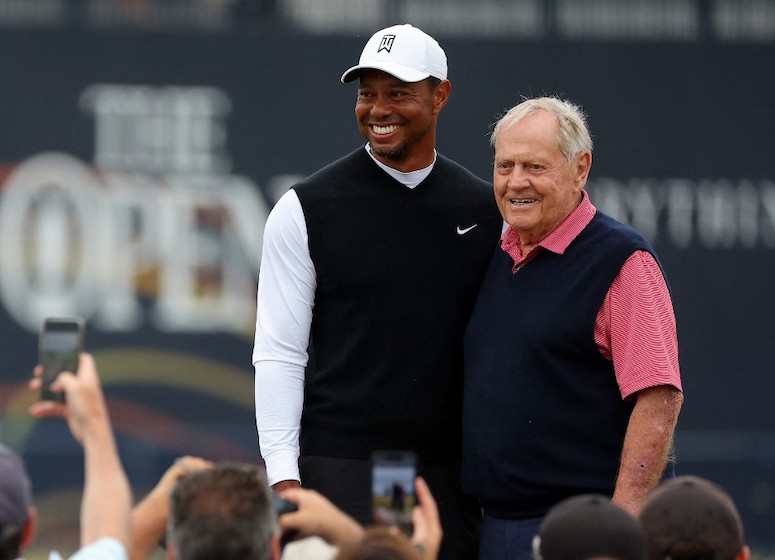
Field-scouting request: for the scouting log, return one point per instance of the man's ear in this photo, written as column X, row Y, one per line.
column 583, row 164
column 441, row 96
column 172, row 553
column 277, row 550
column 29, row 527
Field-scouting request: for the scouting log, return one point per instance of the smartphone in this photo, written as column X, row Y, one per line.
column 392, row 488
column 282, row 506
column 60, row 343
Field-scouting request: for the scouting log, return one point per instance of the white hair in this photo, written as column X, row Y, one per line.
column 573, row 137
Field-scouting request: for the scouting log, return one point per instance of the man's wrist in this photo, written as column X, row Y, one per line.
column 285, row 484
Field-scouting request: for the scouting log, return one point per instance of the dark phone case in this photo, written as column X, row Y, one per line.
column 56, row 360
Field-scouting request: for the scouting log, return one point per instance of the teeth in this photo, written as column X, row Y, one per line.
column 385, row 129
column 522, row 200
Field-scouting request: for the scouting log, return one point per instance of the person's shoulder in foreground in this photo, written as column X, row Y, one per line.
column 692, row 518
column 106, row 548
column 589, row 526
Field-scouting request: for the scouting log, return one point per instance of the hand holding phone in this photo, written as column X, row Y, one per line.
column 316, row 515
column 393, row 497
column 60, row 344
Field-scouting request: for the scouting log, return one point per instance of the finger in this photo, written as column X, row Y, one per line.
column 189, row 463
column 293, row 494
column 197, row 463
column 37, row 371
column 292, row 521
column 428, row 507
column 47, row 409
column 424, row 492
column 63, row 382
column 429, row 501
column 87, row 368
column 419, row 524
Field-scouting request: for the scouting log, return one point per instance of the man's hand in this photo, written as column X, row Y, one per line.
column 316, row 515
column 85, row 407
column 181, row 466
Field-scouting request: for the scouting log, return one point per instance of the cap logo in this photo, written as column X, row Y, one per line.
column 386, row 43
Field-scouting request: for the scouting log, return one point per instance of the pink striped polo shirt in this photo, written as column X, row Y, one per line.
column 635, row 326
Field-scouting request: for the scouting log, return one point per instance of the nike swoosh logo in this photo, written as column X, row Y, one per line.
column 461, row 231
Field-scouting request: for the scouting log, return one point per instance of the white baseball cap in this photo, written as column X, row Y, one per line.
column 406, row 52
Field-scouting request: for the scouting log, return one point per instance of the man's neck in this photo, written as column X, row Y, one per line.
column 409, row 179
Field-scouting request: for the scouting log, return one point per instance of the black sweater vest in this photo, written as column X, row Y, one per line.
column 543, row 416
column 395, row 286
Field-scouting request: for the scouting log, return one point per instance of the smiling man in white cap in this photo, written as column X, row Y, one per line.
column 369, row 271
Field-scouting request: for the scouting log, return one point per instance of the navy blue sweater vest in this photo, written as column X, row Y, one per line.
column 396, row 283
column 543, row 416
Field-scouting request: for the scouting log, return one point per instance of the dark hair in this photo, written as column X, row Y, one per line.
column 224, row 512
column 433, row 81
column 10, row 543
column 589, row 526
column 691, row 518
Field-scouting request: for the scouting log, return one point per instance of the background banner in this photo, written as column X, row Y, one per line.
column 137, row 170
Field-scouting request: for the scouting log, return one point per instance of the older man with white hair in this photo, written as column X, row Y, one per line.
column 572, row 384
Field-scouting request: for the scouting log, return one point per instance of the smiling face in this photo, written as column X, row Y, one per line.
column 535, row 186
column 399, row 118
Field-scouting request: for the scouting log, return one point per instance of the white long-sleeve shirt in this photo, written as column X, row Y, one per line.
column 286, row 297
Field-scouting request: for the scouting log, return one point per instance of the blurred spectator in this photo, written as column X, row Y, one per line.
column 691, row 518
column 224, row 512
column 150, row 516
column 17, row 514
column 589, row 526
column 204, row 505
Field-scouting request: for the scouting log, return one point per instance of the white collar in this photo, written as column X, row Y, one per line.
column 410, row 179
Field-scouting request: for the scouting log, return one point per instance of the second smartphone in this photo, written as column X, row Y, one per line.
column 392, row 488
column 60, row 344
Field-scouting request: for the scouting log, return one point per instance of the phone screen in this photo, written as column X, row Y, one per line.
column 392, row 488
column 61, row 341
